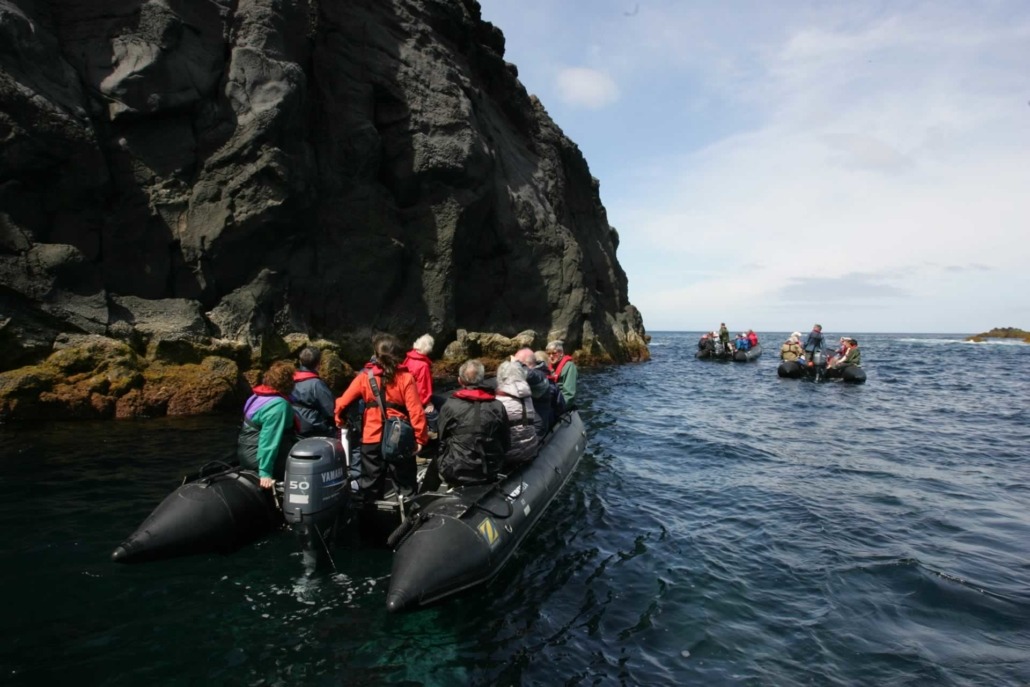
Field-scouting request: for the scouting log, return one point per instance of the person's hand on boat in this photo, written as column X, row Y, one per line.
column 267, row 482
column 418, row 448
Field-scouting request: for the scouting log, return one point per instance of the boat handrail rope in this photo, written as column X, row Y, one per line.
column 497, row 488
column 203, row 471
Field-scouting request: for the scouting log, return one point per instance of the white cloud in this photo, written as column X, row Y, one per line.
column 583, row 87
column 881, row 148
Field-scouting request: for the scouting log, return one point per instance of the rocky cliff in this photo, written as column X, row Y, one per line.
column 191, row 188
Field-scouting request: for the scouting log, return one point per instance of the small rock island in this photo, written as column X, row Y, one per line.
column 1001, row 333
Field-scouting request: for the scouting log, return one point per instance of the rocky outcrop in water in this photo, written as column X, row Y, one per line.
column 214, row 183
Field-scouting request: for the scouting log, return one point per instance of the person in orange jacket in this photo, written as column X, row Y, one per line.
column 400, row 393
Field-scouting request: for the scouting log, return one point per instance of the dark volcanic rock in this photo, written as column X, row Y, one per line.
column 208, row 177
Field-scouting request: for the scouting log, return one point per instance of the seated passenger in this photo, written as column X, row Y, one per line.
column 752, row 338
column 269, row 426
column 539, row 388
column 514, row 394
column 741, row 343
column 564, row 372
column 709, row 345
column 851, row 357
column 791, row 350
column 474, row 434
column 558, row 406
column 312, row 399
column 838, row 352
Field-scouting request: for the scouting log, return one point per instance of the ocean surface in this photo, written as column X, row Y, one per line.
column 725, row 527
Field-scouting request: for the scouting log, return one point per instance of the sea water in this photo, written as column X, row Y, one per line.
column 725, row 527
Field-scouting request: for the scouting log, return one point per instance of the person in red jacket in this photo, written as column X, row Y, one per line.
column 400, row 393
column 421, row 368
column 752, row 337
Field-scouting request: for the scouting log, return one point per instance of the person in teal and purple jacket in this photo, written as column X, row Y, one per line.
column 269, row 425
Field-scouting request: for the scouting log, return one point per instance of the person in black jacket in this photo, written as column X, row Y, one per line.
column 473, row 431
column 312, row 399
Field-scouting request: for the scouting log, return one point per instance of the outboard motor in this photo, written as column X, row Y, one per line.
column 315, row 487
column 819, row 362
column 316, row 490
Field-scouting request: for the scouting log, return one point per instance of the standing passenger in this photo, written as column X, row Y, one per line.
column 269, row 426
column 814, row 341
column 399, row 393
column 312, row 399
column 421, row 368
column 791, row 350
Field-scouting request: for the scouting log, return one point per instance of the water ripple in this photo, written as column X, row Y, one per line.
column 725, row 527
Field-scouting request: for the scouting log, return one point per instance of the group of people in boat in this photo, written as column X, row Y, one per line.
column 484, row 428
column 718, row 343
column 846, row 354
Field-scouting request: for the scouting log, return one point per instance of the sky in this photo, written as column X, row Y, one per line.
column 863, row 165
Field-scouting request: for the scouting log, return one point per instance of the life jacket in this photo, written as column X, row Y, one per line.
column 556, row 375
column 791, row 351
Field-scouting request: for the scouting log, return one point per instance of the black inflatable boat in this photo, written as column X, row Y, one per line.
column 748, row 355
column 445, row 541
column 454, row 540
column 817, row 370
column 221, row 511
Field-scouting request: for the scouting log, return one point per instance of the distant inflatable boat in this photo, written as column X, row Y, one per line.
column 715, row 353
column 748, row 355
column 817, row 370
column 852, row 374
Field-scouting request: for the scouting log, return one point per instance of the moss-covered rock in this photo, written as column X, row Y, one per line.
column 95, row 377
column 213, row 385
column 83, row 378
column 1001, row 333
